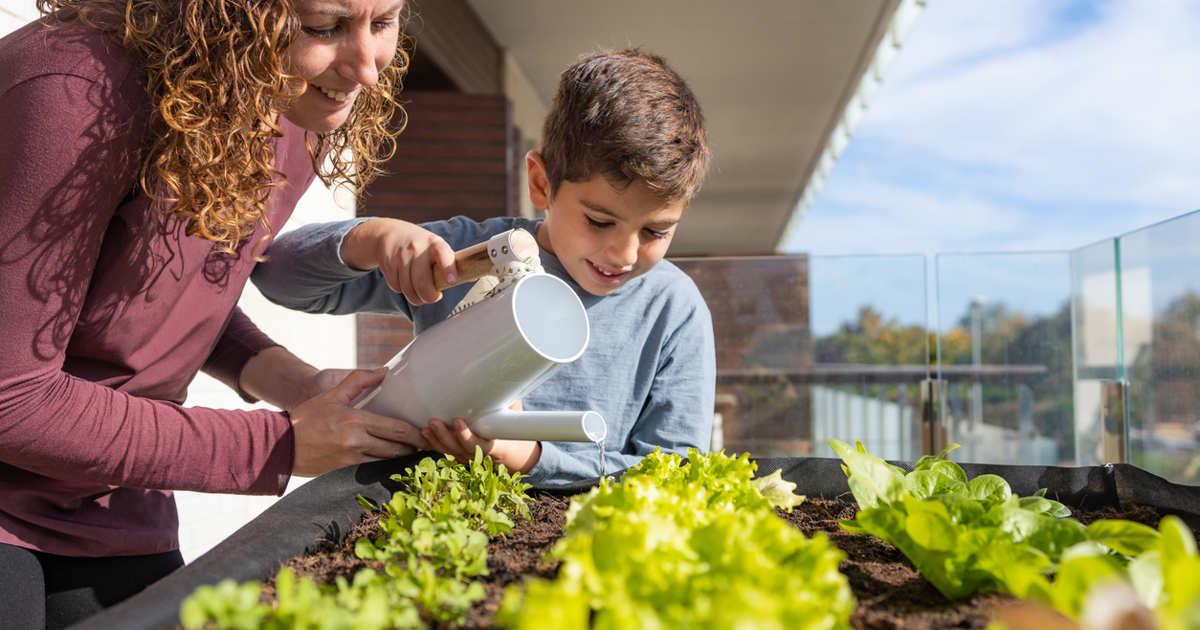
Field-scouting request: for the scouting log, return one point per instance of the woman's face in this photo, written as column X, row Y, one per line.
column 342, row 47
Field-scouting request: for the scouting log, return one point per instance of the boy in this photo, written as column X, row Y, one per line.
column 624, row 150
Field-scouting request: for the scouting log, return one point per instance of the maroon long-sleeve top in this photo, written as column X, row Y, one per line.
column 108, row 310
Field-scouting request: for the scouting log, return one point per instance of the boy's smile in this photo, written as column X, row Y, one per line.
column 604, row 235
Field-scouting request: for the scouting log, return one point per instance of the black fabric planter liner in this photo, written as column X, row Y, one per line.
column 328, row 507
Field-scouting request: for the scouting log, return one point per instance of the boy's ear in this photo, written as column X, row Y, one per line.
column 539, row 184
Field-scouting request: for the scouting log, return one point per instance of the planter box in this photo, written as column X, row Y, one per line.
column 327, row 507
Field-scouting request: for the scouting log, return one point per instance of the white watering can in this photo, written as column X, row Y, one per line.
column 478, row 362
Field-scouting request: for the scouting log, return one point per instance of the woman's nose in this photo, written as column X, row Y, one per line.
column 358, row 59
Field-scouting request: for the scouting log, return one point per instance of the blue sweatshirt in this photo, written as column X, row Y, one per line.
column 649, row 369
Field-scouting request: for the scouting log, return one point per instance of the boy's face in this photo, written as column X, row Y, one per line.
column 604, row 236
column 342, row 47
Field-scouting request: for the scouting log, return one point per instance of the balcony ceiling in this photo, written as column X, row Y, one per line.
column 773, row 77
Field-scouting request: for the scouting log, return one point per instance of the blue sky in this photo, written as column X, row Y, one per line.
column 1017, row 126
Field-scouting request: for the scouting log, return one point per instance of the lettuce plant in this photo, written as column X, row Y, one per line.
column 971, row 535
column 433, row 540
column 1161, row 568
column 962, row 535
column 301, row 604
column 693, row 545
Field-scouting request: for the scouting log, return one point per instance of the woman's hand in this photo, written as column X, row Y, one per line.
column 458, row 441
column 405, row 254
column 330, row 434
column 323, row 381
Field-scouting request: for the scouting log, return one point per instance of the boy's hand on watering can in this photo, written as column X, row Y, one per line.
column 458, row 441
column 405, row 254
column 330, row 433
column 455, row 439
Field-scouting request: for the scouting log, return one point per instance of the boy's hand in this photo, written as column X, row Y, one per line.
column 459, row 442
column 405, row 254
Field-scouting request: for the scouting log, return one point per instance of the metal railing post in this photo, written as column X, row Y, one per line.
column 933, row 436
column 1114, row 421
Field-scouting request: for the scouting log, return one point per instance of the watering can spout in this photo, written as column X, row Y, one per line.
column 553, row 426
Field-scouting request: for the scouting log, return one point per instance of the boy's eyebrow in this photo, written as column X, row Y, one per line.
column 595, row 207
column 599, row 208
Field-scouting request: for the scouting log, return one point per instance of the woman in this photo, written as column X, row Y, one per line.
column 151, row 148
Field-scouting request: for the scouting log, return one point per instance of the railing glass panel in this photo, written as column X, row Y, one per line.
column 816, row 347
column 1095, row 317
column 1159, row 287
column 1004, row 357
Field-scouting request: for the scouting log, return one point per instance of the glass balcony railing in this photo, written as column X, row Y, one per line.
column 1074, row 357
column 1096, row 348
column 816, row 347
column 870, row 352
column 1159, row 346
column 1004, row 356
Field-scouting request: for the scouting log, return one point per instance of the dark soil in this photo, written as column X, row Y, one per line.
column 890, row 592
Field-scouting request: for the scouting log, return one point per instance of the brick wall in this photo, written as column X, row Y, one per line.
column 457, row 156
column 759, row 306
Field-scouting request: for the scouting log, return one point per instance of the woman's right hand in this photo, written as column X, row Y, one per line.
column 330, row 433
column 405, row 254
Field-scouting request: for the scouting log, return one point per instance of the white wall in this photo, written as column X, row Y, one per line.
column 322, row 340
column 528, row 112
column 15, row 13
column 326, row 341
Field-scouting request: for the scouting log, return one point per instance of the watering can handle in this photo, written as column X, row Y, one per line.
column 476, row 261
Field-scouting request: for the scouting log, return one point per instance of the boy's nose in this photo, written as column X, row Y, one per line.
column 358, row 60
column 624, row 250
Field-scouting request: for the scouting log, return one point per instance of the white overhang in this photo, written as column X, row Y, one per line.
column 782, row 84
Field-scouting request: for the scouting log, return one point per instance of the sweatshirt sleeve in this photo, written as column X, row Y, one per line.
column 69, row 156
column 304, row 271
column 239, row 341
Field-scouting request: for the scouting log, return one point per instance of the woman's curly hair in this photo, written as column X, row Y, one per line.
column 216, row 77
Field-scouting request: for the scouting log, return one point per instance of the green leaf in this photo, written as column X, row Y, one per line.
column 931, row 528
column 924, row 484
column 927, row 461
column 1145, row 572
column 872, row 480
column 1176, row 539
column 1125, row 537
column 1076, row 576
column 963, row 511
column 779, row 492
column 1017, row 568
column 1057, row 536
column 949, row 469
column 1017, row 522
column 1045, row 506
column 1083, row 549
column 989, row 489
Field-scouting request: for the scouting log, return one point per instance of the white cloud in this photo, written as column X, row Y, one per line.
column 1046, row 130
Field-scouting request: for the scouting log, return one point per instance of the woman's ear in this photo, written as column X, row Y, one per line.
column 539, row 184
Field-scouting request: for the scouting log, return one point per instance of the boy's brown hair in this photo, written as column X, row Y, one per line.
column 628, row 116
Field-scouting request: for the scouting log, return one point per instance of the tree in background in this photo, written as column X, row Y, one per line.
column 1008, row 338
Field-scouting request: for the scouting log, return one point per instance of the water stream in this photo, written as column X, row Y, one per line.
column 600, row 446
